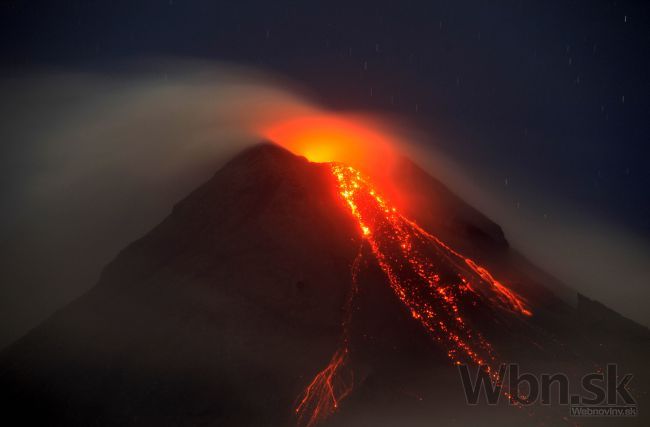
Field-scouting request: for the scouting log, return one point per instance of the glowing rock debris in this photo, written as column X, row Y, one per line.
column 434, row 282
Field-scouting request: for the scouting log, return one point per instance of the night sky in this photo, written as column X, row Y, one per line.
column 553, row 95
column 545, row 101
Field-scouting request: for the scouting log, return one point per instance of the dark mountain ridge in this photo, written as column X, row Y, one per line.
column 224, row 311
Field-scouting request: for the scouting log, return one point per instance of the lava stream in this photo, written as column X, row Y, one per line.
column 437, row 285
column 331, row 385
column 322, row 396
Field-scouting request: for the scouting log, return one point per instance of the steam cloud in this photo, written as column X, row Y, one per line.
column 91, row 161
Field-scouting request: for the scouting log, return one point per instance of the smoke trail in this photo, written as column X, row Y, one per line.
column 91, row 161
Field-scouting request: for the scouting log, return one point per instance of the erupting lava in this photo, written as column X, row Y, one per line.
column 333, row 384
column 322, row 396
column 442, row 289
column 437, row 285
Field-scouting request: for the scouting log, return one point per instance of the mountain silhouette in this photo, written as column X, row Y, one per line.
column 259, row 280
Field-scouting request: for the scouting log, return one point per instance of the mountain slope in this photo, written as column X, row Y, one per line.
column 228, row 289
column 224, row 312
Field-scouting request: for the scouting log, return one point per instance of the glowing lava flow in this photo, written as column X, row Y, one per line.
column 439, row 286
column 429, row 277
column 322, row 396
column 331, row 385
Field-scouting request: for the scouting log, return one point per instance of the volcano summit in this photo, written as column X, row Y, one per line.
column 286, row 292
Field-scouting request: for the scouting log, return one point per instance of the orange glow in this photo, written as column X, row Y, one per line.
column 334, row 138
column 330, row 386
column 436, row 284
column 322, row 396
column 432, row 280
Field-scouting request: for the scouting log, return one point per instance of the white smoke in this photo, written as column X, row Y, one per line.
column 92, row 161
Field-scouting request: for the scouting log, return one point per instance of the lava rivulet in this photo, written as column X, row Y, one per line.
column 435, row 283
column 429, row 277
column 332, row 384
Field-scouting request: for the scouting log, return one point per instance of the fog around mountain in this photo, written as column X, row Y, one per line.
column 92, row 161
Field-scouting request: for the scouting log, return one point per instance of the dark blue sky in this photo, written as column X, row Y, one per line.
column 552, row 95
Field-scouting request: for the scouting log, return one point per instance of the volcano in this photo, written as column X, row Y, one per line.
column 287, row 292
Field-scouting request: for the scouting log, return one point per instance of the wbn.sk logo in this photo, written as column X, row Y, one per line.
column 604, row 393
